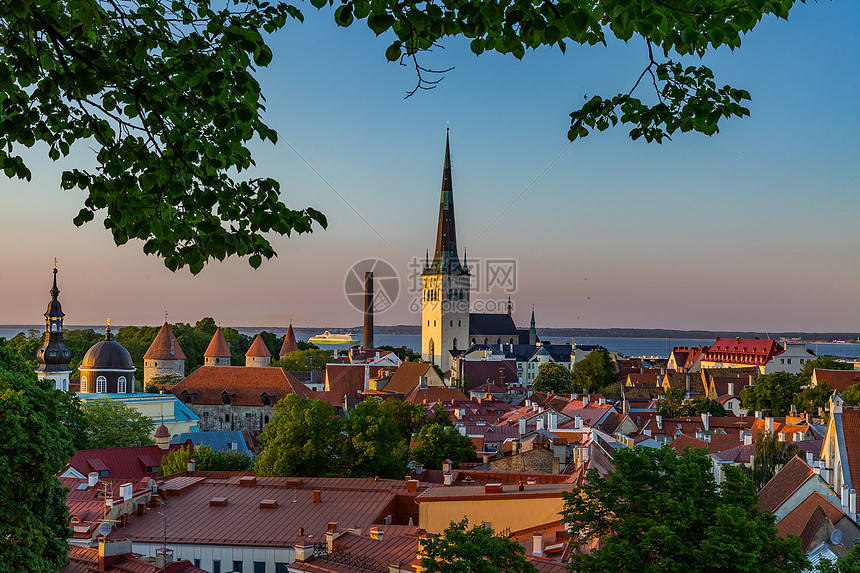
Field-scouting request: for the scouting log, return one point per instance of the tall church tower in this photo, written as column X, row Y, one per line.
column 445, row 285
column 53, row 357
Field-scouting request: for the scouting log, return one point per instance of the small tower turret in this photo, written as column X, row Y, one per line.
column 54, row 356
column 164, row 357
column 259, row 354
column 218, row 352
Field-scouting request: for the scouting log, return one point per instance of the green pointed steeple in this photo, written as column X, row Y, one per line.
column 445, row 257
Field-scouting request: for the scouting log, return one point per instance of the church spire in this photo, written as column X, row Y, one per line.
column 53, row 356
column 445, row 258
column 532, row 330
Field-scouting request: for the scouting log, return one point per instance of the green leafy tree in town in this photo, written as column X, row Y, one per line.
column 703, row 405
column 372, row 445
column 433, row 444
column 770, row 456
column 849, row 563
column 113, row 424
column 671, row 404
column 593, row 372
column 660, row 511
column 772, row 394
column 205, row 459
column 553, row 378
column 312, row 359
column 460, row 548
column 35, row 444
column 814, row 397
column 408, row 418
column 851, row 396
column 301, row 440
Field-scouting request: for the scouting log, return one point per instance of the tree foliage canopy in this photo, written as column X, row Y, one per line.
column 205, row 459
column 165, row 94
column 770, row 456
column 113, row 424
column 593, row 372
column 663, row 512
column 553, row 378
column 35, row 444
column 477, row 550
column 434, row 444
column 772, row 393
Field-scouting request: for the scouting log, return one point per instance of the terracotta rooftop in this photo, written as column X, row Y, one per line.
column 258, row 349
column 443, row 493
column 837, row 379
column 239, row 520
column 407, row 377
column 809, row 515
column 783, row 485
column 218, row 347
column 290, row 344
column 434, row 394
column 165, row 346
column 128, row 464
column 752, row 351
column 243, row 385
column 86, row 560
column 497, row 372
column 851, row 432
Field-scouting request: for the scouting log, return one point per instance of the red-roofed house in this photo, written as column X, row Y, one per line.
column 814, row 520
column 117, row 557
column 840, row 452
column 130, row 464
column 791, row 485
column 733, row 352
column 236, row 397
column 837, row 379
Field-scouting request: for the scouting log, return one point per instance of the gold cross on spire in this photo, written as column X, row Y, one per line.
column 108, row 322
column 55, row 262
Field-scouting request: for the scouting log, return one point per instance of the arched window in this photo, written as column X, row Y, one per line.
column 83, row 384
column 226, row 417
column 101, row 385
column 499, row 341
column 452, row 323
column 120, row 385
column 431, row 349
column 265, row 419
column 455, row 344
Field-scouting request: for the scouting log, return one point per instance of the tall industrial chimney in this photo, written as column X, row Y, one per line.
column 368, row 310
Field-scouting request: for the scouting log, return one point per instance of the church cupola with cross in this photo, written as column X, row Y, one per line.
column 53, row 356
column 445, row 284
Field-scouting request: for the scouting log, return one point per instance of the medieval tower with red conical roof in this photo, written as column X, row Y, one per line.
column 259, row 354
column 445, row 285
column 290, row 345
column 218, row 351
column 164, row 359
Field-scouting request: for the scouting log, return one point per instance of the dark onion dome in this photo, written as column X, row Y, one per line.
column 107, row 355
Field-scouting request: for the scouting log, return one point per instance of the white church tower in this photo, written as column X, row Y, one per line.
column 445, row 285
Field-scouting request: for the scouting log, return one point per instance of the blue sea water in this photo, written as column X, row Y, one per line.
column 627, row 346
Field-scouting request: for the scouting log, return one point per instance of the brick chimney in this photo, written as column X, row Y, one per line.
column 368, row 310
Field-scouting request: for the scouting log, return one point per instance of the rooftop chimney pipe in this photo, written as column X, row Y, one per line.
column 368, row 310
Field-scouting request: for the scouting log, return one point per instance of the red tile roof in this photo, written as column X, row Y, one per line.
column 165, row 346
column 86, row 560
column 808, row 515
column 783, row 485
column 290, row 344
column 752, row 351
column 851, row 432
column 242, row 522
column 218, row 347
column 244, row 384
column 837, row 379
column 408, row 377
column 434, row 394
column 127, row 464
column 258, row 349
column 496, row 372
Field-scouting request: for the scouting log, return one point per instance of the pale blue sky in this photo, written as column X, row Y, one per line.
column 754, row 228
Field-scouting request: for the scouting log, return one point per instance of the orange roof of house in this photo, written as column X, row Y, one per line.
column 218, row 347
column 808, row 516
column 243, row 522
column 290, row 344
column 745, row 350
column 783, row 485
column 258, row 349
column 165, row 346
column 851, row 432
column 837, row 379
column 246, row 384
column 433, row 394
column 86, row 560
column 408, row 377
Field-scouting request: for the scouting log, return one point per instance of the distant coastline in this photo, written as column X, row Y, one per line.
column 409, row 329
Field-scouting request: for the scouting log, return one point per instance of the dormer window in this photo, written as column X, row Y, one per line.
column 187, row 396
column 226, row 398
column 266, row 399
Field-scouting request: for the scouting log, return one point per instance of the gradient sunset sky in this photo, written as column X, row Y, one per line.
column 755, row 228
